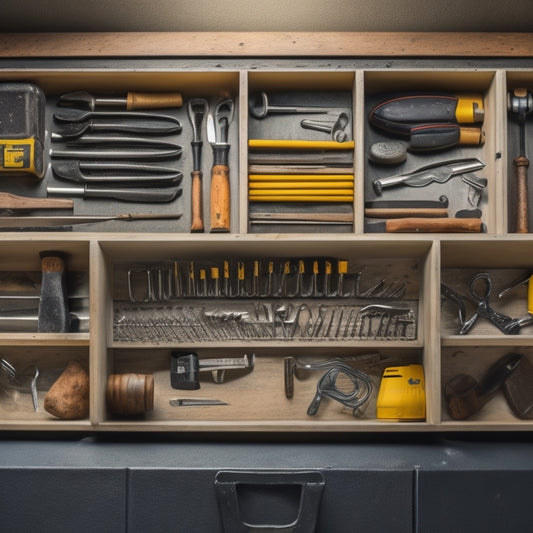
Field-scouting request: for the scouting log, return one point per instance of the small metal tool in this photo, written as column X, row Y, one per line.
column 260, row 107
column 336, row 127
column 185, row 368
column 437, row 172
column 194, row 402
column 504, row 323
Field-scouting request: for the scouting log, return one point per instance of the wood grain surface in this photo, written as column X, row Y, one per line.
column 266, row 44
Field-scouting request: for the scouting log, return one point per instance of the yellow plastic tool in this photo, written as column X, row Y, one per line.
column 402, row 394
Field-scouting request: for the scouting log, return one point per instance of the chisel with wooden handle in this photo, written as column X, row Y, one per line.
column 132, row 100
column 14, row 202
column 426, row 225
column 217, row 134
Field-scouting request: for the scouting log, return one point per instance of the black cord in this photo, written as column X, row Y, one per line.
column 327, row 387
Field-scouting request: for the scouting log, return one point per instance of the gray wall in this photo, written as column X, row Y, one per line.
column 266, row 15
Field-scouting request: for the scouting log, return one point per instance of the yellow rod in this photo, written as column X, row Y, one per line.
column 290, row 144
column 301, row 177
column 308, row 192
column 300, row 185
column 281, row 198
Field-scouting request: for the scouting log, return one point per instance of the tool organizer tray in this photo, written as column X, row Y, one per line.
column 279, row 287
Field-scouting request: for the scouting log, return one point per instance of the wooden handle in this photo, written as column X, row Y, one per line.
column 220, row 199
column 12, row 201
column 130, row 394
column 197, row 222
column 394, row 212
column 429, row 225
column 522, row 216
column 153, row 100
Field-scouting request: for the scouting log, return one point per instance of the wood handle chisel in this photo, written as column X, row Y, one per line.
column 426, row 225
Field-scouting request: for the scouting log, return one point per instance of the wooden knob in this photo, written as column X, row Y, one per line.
column 130, row 394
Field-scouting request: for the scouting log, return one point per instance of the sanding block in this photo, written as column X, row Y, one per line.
column 402, row 394
column 22, row 128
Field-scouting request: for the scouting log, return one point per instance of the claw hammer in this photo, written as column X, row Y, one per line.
column 520, row 102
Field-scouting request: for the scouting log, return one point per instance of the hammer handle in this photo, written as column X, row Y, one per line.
column 220, row 199
column 197, row 223
column 153, row 100
column 522, row 224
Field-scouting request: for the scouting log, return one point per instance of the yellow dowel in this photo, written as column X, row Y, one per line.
column 281, row 198
column 300, row 144
column 301, row 177
column 299, row 185
column 307, row 192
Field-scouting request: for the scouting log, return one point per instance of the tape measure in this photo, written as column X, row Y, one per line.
column 22, row 128
column 402, row 394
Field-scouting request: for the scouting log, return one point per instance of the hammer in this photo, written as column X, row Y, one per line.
column 520, row 101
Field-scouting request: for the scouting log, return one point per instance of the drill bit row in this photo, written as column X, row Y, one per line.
column 267, row 320
column 258, row 278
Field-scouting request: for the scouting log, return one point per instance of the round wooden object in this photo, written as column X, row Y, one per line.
column 130, row 394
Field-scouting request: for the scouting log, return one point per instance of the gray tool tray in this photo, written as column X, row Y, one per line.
column 107, row 252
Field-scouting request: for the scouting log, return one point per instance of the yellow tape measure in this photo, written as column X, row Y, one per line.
column 17, row 155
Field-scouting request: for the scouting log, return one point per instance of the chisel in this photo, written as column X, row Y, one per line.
column 128, row 195
column 426, row 225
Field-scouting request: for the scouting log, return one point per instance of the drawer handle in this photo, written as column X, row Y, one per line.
column 244, row 497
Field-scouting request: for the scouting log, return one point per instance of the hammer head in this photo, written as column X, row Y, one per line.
column 520, row 101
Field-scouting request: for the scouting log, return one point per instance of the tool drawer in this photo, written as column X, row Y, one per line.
column 285, row 246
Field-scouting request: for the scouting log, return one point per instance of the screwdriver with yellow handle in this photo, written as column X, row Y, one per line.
column 132, row 100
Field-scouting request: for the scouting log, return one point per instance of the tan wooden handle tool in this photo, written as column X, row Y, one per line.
column 220, row 199
column 522, row 215
column 197, row 222
column 153, row 100
column 12, row 201
column 429, row 225
column 401, row 212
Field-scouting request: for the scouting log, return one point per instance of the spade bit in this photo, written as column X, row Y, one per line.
column 438, row 172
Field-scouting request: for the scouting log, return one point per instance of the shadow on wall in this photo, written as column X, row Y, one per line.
column 258, row 15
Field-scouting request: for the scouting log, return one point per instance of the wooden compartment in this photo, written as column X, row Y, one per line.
column 462, row 196
column 257, row 403
column 210, row 85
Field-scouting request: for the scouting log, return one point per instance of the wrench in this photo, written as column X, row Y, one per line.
column 260, row 108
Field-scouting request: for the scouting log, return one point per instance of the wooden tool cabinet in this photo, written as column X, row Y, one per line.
column 257, row 400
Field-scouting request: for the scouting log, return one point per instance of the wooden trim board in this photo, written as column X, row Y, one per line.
column 266, row 44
